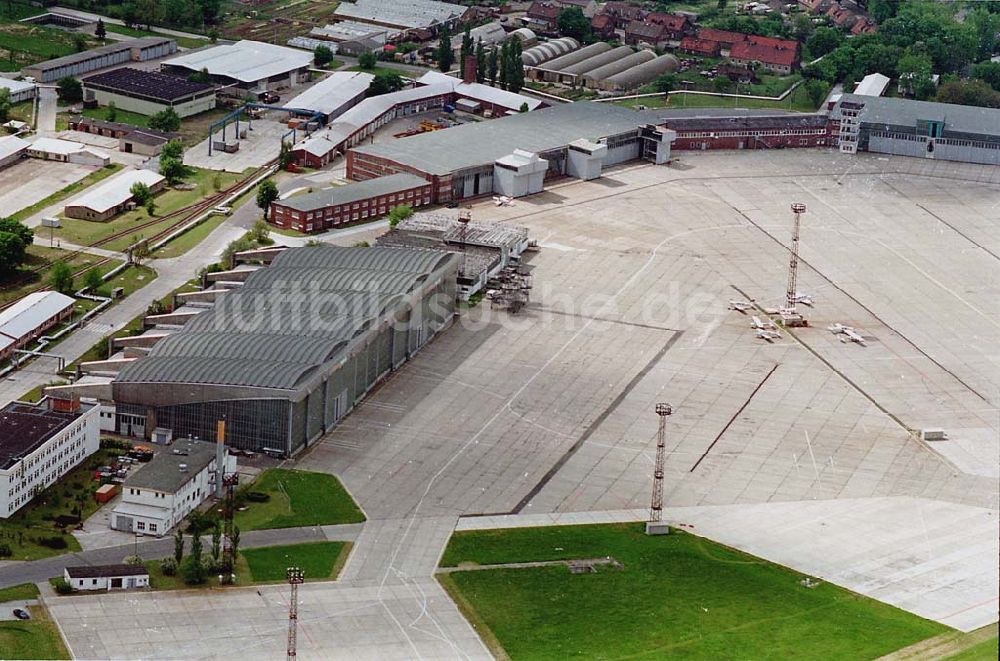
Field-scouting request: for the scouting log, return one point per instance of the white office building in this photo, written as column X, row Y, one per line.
column 39, row 443
column 160, row 494
column 107, row 577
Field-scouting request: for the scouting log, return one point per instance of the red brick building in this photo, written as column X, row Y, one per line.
column 752, row 131
column 780, row 56
column 352, row 203
column 623, row 13
column 696, row 46
column 725, row 38
column 638, row 32
column 676, row 25
column 603, row 26
column 543, row 16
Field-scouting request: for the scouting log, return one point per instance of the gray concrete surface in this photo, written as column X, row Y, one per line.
column 31, row 180
column 260, row 146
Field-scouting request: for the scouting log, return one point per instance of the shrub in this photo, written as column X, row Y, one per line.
column 169, row 567
column 5, row 551
column 62, row 586
column 258, row 496
column 132, row 560
column 193, row 570
column 56, row 542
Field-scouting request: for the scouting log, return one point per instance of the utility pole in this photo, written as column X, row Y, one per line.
column 655, row 525
column 295, row 577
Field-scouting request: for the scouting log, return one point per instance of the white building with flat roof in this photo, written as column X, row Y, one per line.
column 334, row 95
column 30, row 317
column 252, row 65
column 67, row 151
column 20, row 90
column 12, row 149
column 158, row 495
column 39, row 443
column 112, row 197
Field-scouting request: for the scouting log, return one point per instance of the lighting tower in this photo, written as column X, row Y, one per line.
column 295, row 577
column 655, row 526
column 792, row 294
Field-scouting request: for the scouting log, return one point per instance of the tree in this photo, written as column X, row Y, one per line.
column 178, row 546
column 968, row 93
column 14, row 241
column 468, row 47
column 69, row 89
column 213, row 36
column 61, row 278
column 444, row 55
column 665, row 83
column 101, row 31
column 816, row 91
column 92, row 280
column 722, row 84
column 493, row 66
column 151, row 11
column 285, row 158
column 322, row 56
column 515, row 72
column 4, row 104
column 216, row 541
column 882, row 10
column 260, row 233
column 150, row 207
column 385, row 82
column 802, row 27
column 523, row 107
column 138, row 252
column 480, row 62
column 79, row 42
column 166, row 120
column 24, row 233
column 173, row 149
column 399, row 213
column 130, row 15
column 267, row 192
column 235, row 540
column 367, row 60
column 172, row 162
column 504, row 68
column 193, row 568
column 988, row 72
column 200, row 76
column 572, row 23
column 823, row 40
column 111, row 113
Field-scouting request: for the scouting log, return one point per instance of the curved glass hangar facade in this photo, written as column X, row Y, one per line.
column 287, row 355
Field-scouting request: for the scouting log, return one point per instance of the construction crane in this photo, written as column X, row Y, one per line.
column 655, row 525
column 295, row 578
column 789, row 314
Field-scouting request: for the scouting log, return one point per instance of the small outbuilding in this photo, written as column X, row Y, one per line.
column 107, row 577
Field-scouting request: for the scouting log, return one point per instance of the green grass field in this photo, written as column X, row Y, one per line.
column 985, row 651
column 33, row 639
column 21, row 282
column 191, row 238
column 298, row 498
column 22, row 44
column 317, row 560
column 21, row 592
column 678, row 596
column 86, row 232
column 183, row 42
column 123, row 116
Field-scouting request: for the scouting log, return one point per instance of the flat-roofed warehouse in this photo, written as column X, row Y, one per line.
column 462, row 161
column 18, row 90
column 289, row 353
column 402, row 14
column 149, row 92
column 334, row 95
column 114, row 54
column 112, row 197
column 247, row 64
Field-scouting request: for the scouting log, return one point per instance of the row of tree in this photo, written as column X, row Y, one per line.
column 196, row 14
column 500, row 67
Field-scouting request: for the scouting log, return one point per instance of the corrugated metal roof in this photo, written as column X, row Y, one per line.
column 95, row 53
column 15, row 86
column 246, row 61
column 115, row 191
column 10, row 145
column 31, row 311
column 288, row 319
column 906, row 112
column 331, row 94
column 480, row 92
column 404, row 13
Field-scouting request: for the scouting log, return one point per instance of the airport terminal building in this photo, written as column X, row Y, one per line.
column 286, row 355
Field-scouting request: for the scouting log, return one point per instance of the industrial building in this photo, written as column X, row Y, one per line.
column 39, row 443
column 19, row 90
column 12, row 150
column 485, row 248
column 549, row 70
column 402, row 14
column 148, row 92
column 113, row 196
column 923, row 129
column 536, row 55
column 722, row 129
column 334, row 95
column 354, row 202
column 638, row 75
column 66, row 151
column 288, row 353
column 471, row 160
column 434, row 91
column 352, row 38
column 250, row 65
column 131, row 139
column 114, row 54
column 158, row 495
column 26, row 320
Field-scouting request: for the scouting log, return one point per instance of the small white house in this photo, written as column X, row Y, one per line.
column 107, row 577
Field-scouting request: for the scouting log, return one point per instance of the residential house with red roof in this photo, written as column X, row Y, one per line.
column 677, row 25
column 703, row 47
column 779, row 56
column 623, row 12
column 603, row 26
column 725, row 38
column 637, row 33
column 543, row 16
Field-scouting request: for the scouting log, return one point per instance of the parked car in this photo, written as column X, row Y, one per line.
column 22, row 614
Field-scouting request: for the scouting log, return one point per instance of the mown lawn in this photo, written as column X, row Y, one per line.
column 36, row 638
column 183, row 42
column 123, row 116
column 317, row 560
column 86, row 232
column 677, row 596
column 985, row 651
column 298, row 498
column 21, row 592
column 22, row 281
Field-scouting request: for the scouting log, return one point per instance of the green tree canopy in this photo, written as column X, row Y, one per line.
column 572, row 23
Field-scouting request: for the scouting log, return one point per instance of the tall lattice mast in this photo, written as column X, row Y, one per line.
column 656, row 503
column 295, row 577
column 791, row 294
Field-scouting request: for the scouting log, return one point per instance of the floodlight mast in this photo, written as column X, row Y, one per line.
column 656, row 503
column 791, row 294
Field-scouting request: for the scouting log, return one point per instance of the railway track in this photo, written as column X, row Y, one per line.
column 183, row 216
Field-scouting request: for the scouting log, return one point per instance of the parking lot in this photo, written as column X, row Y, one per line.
column 552, row 410
column 31, row 180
